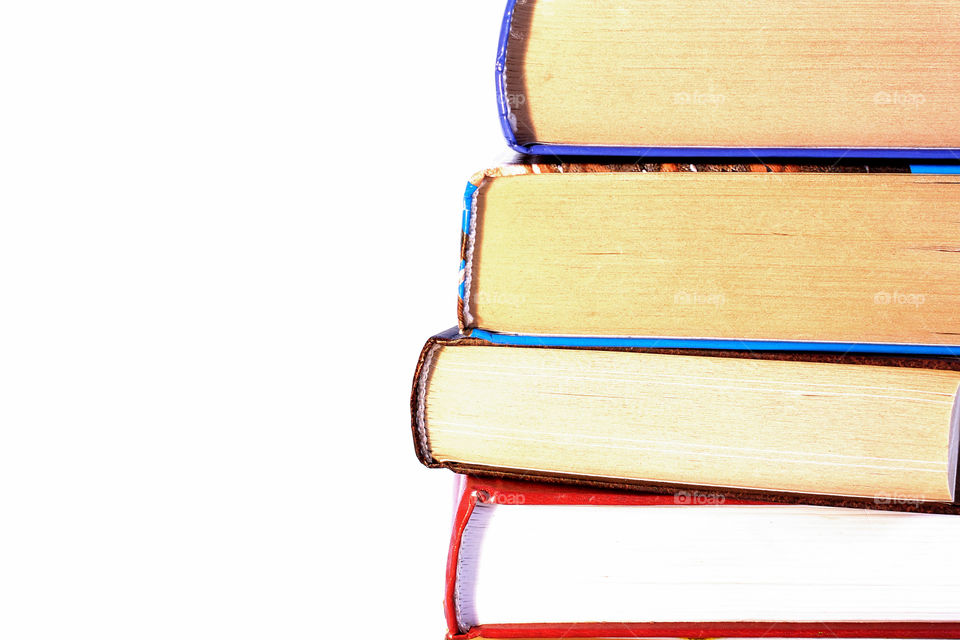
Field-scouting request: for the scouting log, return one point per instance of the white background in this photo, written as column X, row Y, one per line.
column 227, row 229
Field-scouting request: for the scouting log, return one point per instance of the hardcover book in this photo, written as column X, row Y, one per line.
column 539, row 561
column 840, row 257
column 863, row 78
column 847, row 430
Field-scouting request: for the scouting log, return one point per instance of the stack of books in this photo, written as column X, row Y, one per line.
column 705, row 378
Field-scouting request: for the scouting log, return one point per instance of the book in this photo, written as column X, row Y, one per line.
column 805, row 256
column 867, row 431
column 867, row 78
column 529, row 560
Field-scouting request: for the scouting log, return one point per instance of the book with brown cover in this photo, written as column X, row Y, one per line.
column 452, row 337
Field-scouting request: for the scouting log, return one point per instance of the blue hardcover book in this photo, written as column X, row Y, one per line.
column 806, row 257
column 810, row 78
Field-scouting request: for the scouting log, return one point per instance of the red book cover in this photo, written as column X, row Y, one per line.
column 485, row 491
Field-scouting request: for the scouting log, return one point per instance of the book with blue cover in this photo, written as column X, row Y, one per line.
column 813, row 257
column 801, row 78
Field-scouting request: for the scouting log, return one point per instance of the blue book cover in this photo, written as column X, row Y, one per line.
column 948, row 254
column 868, row 63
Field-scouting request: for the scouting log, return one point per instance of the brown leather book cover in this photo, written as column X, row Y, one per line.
column 452, row 337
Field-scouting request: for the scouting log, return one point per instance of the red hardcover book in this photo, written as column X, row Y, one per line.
column 890, row 591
